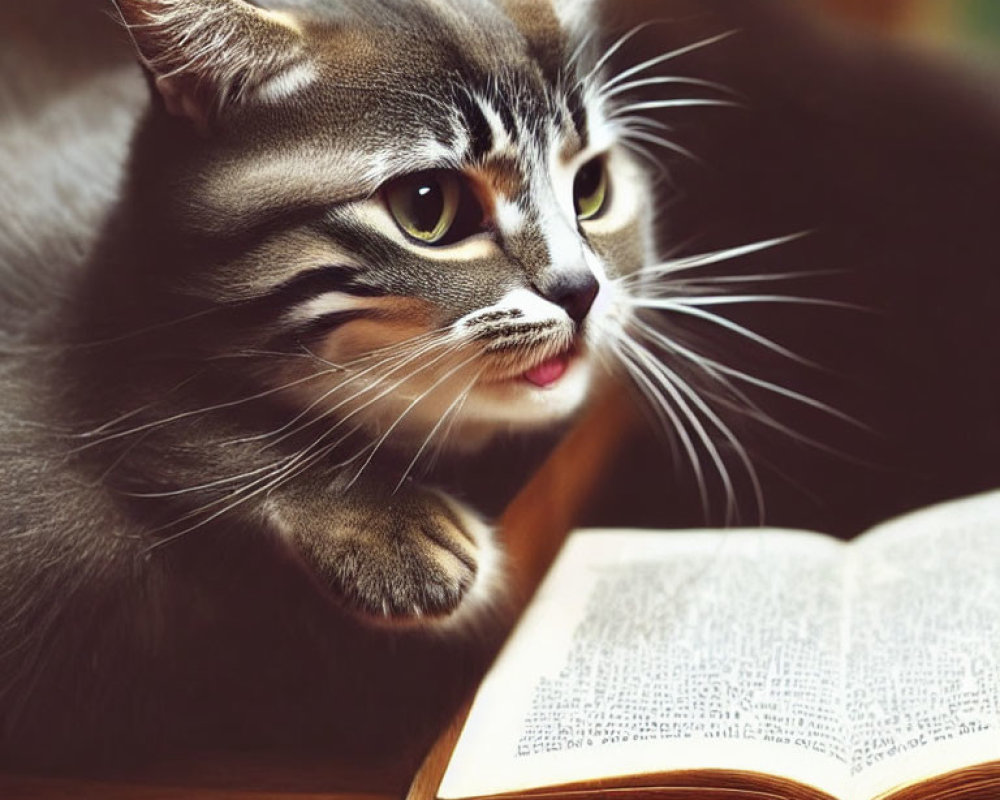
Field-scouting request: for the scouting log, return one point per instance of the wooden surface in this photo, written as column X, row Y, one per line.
column 533, row 529
column 229, row 777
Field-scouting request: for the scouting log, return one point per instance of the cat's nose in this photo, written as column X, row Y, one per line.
column 575, row 294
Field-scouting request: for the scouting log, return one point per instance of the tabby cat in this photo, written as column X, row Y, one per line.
column 351, row 235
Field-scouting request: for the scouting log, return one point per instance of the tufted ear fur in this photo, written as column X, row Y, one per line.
column 207, row 55
column 576, row 16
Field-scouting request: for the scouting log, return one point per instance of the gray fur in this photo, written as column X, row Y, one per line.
column 179, row 508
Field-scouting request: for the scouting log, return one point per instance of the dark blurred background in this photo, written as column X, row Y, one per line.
column 875, row 126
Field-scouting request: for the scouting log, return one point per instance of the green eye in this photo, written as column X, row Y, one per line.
column 426, row 204
column 590, row 189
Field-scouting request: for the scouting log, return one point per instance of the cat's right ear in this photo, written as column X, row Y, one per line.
column 205, row 56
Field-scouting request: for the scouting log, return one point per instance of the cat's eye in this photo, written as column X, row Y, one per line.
column 435, row 207
column 590, row 189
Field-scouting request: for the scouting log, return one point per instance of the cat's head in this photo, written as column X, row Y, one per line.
column 422, row 205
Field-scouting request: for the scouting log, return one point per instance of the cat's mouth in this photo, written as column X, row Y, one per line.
column 532, row 387
column 549, row 372
column 538, row 371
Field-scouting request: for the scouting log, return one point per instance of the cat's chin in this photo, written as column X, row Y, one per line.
column 547, row 394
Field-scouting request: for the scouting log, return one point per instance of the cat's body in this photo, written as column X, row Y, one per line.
column 214, row 424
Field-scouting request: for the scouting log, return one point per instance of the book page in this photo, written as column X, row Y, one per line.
column 652, row 652
column 924, row 658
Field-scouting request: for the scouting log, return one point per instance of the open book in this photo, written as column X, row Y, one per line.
column 752, row 663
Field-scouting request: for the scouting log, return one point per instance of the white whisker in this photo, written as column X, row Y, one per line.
column 740, row 299
column 368, row 403
column 138, row 332
column 722, row 373
column 289, row 429
column 678, row 390
column 305, row 458
column 286, row 468
column 664, row 80
column 724, row 429
column 630, row 122
column 652, row 138
column 706, row 362
column 135, row 412
column 193, row 413
column 202, row 487
column 711, row 280
column 718, row 256
column 459, row 401
column 234, row 500
column 739, row 330
column 449, row 428
column 574, row 57
column 624, row 75
column 413, row 404
column 609, row 53
column 646, row 153
column 685, row 102
column 664, row 409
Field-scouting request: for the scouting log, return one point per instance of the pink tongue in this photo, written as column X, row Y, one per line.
column 548, row 372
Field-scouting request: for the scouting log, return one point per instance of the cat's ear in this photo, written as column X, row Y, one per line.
column 577, row 17
column 206, row 55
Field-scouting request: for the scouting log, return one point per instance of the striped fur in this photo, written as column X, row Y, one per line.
column 259, row 365
column 287, row 188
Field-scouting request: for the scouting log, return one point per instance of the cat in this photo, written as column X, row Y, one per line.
column 163, row 381
column 347, row 233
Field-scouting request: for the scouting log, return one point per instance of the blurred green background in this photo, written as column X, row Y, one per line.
column 972, row 23
column 979, row 19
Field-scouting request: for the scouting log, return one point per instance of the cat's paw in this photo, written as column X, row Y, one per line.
column 409, row 557
column 412, row 559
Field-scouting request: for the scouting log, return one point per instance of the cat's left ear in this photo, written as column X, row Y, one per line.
column 577, row 17
column 206, row 55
